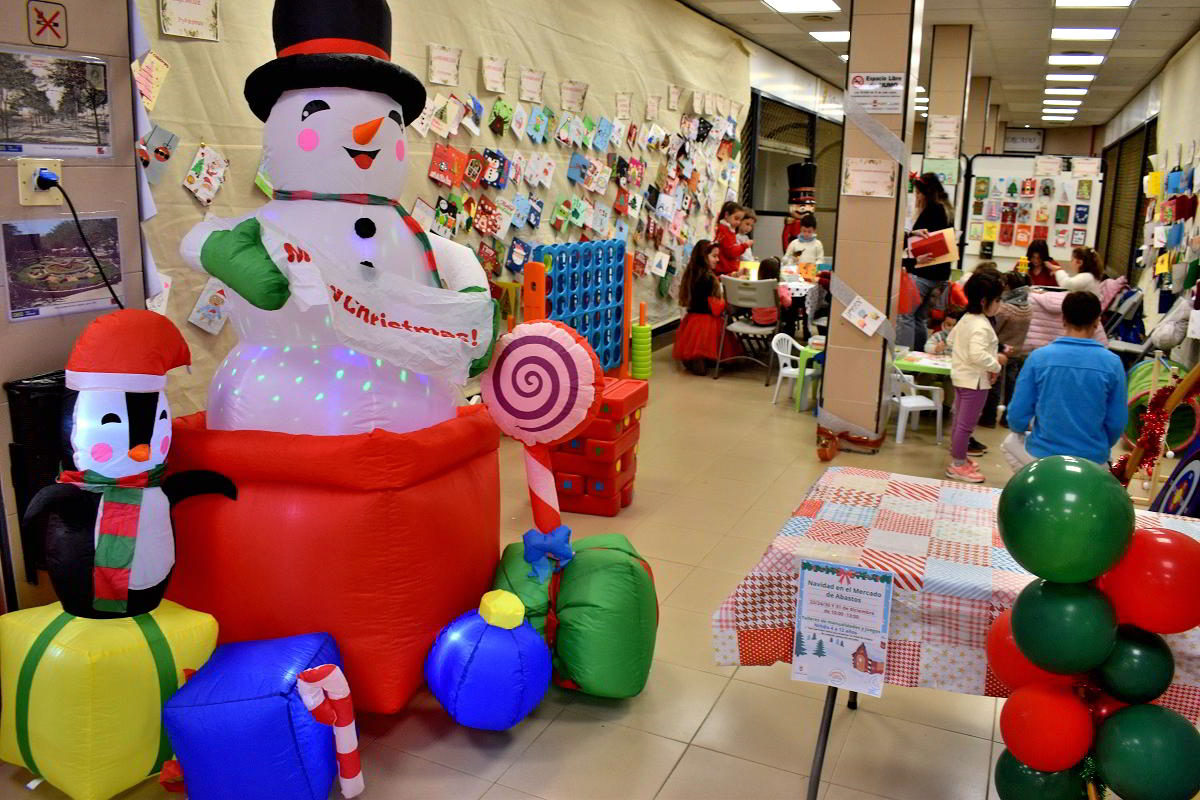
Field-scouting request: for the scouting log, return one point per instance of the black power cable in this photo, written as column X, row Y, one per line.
column 45, row 180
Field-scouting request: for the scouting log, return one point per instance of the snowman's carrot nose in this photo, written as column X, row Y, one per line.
column 366, row 132
column 140, row 453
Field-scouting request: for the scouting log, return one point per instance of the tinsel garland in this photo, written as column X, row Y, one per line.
column 1091, row 774
column 1155, row 419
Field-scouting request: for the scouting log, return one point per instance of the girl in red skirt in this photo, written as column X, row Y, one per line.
column 700, row 331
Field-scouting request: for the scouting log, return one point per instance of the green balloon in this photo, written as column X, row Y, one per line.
column 1015, row 781
column 1149, row 753
column 1064, row 627
column 1065, row 519
column 1140, row 667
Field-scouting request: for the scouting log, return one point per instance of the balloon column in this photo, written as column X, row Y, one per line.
column 1080, row 648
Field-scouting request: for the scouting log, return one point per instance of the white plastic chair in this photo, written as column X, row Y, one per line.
column 907, row 399
column 787, row 351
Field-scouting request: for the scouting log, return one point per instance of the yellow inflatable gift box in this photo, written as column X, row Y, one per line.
column 83, row 698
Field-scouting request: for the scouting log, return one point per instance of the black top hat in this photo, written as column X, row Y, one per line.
column 802, row 178
column 333, row 43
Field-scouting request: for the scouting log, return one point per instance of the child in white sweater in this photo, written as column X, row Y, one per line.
column 1087, row 272
column 975, row 363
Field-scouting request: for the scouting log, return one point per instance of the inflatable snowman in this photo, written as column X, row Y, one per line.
column 349, row 316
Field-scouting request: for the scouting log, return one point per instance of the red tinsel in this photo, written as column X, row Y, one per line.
column 1154, row 429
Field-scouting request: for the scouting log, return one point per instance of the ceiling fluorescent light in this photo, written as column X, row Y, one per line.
column 803, row 6
column 1093, row 3
column 830, row 36
column 844, row 57
column 1066, row 59
column 1083, row 34
column 1067, row 78
column 923, row 116
column 1050, row 101
column 1066, row 90
column 1056, row 118
column 1066, row 112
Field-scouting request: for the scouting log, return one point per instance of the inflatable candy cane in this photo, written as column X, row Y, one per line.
column 543, row 387
column 326, row 694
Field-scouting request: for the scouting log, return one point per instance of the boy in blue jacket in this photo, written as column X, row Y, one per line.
column 1070, row 392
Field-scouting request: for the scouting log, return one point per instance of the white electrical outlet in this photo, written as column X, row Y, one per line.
column 27, row 191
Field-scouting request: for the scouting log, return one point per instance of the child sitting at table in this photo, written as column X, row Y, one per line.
column 768, row 269
column 805, row 248
column 745, row 233
column 1071, row 391
column 699, row 336
column 975, row 364
column 938, row 343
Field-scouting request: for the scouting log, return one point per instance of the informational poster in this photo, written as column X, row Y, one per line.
column 842, row 616
column 195, row 19
column 66, row 115
column 1047, row 166
column 48, row 271
column 443, row 64
column 495, row 73
column 573, row 95
column 1082, row 167
column 532, row 81
column 877, row 92
column 869, row 177
column 942, row 136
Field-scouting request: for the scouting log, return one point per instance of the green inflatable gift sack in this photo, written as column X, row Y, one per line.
column 599, row 614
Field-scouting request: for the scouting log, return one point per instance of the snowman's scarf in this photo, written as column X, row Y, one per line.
column 120, row 508
column 372, row 200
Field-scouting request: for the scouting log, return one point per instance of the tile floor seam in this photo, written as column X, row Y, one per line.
column 526, row 750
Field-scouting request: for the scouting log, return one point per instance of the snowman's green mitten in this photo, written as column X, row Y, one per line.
column 481, row 363
column 238, row 259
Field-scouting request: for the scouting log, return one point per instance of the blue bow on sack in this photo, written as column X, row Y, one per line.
column 541, row 547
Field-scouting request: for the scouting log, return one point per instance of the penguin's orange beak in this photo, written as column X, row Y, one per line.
column 365, row 132
column 140, row 453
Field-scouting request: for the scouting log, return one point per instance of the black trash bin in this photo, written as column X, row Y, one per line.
column 35, row 406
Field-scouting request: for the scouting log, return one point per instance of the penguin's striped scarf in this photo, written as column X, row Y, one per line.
column 372, row 200
column 120, row 507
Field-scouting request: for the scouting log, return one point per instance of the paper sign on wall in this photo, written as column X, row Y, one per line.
column 531, row 84
column 149, row 76
column 1047, row 166
column 1085, row 166
column 869, row 177
column 195, row 19
column 624, row 105
column 652, row 104
column 864, row 316
column 673, row 94
column 573, row 94
column 942, row 136
column 842, row 621
column 443, row 64
column 495, row 73
column 877, row 92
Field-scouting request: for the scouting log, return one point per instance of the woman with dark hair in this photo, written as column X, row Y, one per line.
column 1041, row 265
column 934, row 213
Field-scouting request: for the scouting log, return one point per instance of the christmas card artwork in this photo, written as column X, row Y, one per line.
column 520, row 121
column 517, row 165
column 562, row 134
column 1083, row 190
column 1028, row 187
column 639, row 264
column 209, row 313
column 154, row 151
column 842, row 622
column 466, row 212
column 1046, row 189
column 1062, row 214
column 206, row 175
column 652, row 196
column 1041, row 232
column 422, row 212
column 982, row 187
column 489, row 259
column 487, row 222
column 501, row 117
column 439, row 121
column 1024, row 236
column 445, row 218
column 621, row 230
column 539, row 121
column 535, row 212
column 974, row 231
column 577, row 168
column 635, row 204
column 1006, row 234
column 675, row 230
column 1025, row 212
column 421, row 123
column 473, row 172
column 504, row 215
column 991, row 231
column 658, row 267
column 1008, row 212
column 1081, row 214
column 997, row 190
column 601, row 220
column 598, row 177
column 621, row 204
column 602, row 136
column 618, row 134
column 473, row 118
column 521, row 209
column 1061, row 236
column 631, row 136
column 518, row 254
column 581, row 212
column 637, row 172
column 991, row 210
column 1078, row 237
column 977, row 208
column 545, row 170
column 562, row 214
column 1041, row 213
column 580, row 128
column 495, row 169
column 456, row 112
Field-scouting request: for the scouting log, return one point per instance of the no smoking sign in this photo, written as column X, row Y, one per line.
column 47, row 23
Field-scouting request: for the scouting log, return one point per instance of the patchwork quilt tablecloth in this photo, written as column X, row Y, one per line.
column 953, row 577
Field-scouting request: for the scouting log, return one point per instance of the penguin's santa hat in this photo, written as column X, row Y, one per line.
column 127, row 351
column 342, row 43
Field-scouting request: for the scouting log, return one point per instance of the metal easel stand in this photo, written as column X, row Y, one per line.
column 814, row 779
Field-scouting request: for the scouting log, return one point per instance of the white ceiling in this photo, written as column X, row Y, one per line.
column 1011, row 45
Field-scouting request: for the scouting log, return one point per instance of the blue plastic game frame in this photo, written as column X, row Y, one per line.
column 585, row 288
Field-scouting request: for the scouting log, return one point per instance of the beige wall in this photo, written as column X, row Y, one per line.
column 1072, row 141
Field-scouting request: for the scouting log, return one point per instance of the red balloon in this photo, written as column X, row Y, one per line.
column 1046, row 727
column 1156, row 584
column 1011, row 666
column 1103, row 706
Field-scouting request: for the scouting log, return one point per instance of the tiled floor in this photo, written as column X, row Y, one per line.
column 720, row 469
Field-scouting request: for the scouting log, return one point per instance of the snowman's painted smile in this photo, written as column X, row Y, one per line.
column 363, row 158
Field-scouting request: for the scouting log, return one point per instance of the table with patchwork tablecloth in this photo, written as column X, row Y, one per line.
column 953, row 577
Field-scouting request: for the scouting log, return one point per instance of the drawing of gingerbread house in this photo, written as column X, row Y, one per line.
column 863, row 662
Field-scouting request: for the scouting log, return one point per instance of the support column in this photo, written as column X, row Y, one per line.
column 977, row 123
column 885, row 37
column 989, row 131
column 949, row 81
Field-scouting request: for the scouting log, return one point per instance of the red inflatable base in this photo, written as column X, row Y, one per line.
column 379, row 539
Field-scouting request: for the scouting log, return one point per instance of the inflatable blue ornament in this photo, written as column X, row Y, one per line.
column 489, row 668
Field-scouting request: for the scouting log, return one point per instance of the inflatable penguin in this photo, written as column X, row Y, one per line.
column 107, row 522
column 349, row 316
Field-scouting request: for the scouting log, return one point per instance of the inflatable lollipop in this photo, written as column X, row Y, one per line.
column 543, row 387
